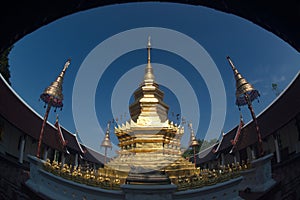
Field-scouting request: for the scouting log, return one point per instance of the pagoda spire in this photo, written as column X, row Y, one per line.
column 149, row 76
column 106, row 143
column 194, row 142
column 148, row 106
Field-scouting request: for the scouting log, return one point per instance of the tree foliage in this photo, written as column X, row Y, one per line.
column 276, row 89
column 203, row 144
column 4, row 65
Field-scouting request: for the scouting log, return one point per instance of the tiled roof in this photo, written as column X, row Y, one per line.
column 207, row 154
column 72, row 142
column 225, row 142
column 278, row 114
column 18, row 113
column 22, row 116
column 92, row 155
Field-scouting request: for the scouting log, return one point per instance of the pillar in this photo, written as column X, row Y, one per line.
column 253, row 153
column 277, row 148
column 45, row 156
column 76, row 160
column 222, row 159
column 55, row 155
column 63, row 158
column 22, row 146
column 234, row 158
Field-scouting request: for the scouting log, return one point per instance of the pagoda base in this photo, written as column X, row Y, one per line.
column 143, row 163
column 148, row 178
column 148, row 192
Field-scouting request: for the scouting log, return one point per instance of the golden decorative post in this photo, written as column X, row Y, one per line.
column 245, row 94
column 106, row 143
column 194, row 142
column 53, row 97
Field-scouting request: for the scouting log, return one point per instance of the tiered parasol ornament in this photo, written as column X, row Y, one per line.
column 106, row 143
column 245, row 94
column 53, row 97
column 193, row 142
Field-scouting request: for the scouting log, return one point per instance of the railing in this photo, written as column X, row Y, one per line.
column 110, row 179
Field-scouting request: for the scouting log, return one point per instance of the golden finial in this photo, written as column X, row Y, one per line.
column 243, row 87
column 194, row 141
column 149, row 48
column 149, row 76
column 106, row 142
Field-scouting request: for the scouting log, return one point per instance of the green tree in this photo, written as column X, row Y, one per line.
column 203, row 144
column 275, row 89
column 209, row 143
column 4, row 65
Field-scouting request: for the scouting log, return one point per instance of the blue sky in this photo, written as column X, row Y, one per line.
column 261, row 57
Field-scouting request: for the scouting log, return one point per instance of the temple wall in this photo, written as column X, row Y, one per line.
column 269, row 145
column 225, row 190
column 12, row 177
column 10, row 142
column 55, row 187
column 10, row 139
column 288, row 140
column 30, row 147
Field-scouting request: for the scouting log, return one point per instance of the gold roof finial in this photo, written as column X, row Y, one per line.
column 53, row 93
column 243, row 87
column 149, row 76
column 106, row 142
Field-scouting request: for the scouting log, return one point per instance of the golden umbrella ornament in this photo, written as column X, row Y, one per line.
column 53, row 97
column 245, row 94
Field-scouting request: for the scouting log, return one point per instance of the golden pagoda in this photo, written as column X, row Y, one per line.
column 149, row 141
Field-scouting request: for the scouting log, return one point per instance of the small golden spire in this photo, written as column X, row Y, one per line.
column 242, row 85
column 106, row 142
column 149, row 76
column 194, row 142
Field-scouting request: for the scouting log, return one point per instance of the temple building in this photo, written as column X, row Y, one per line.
column 149, row 141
